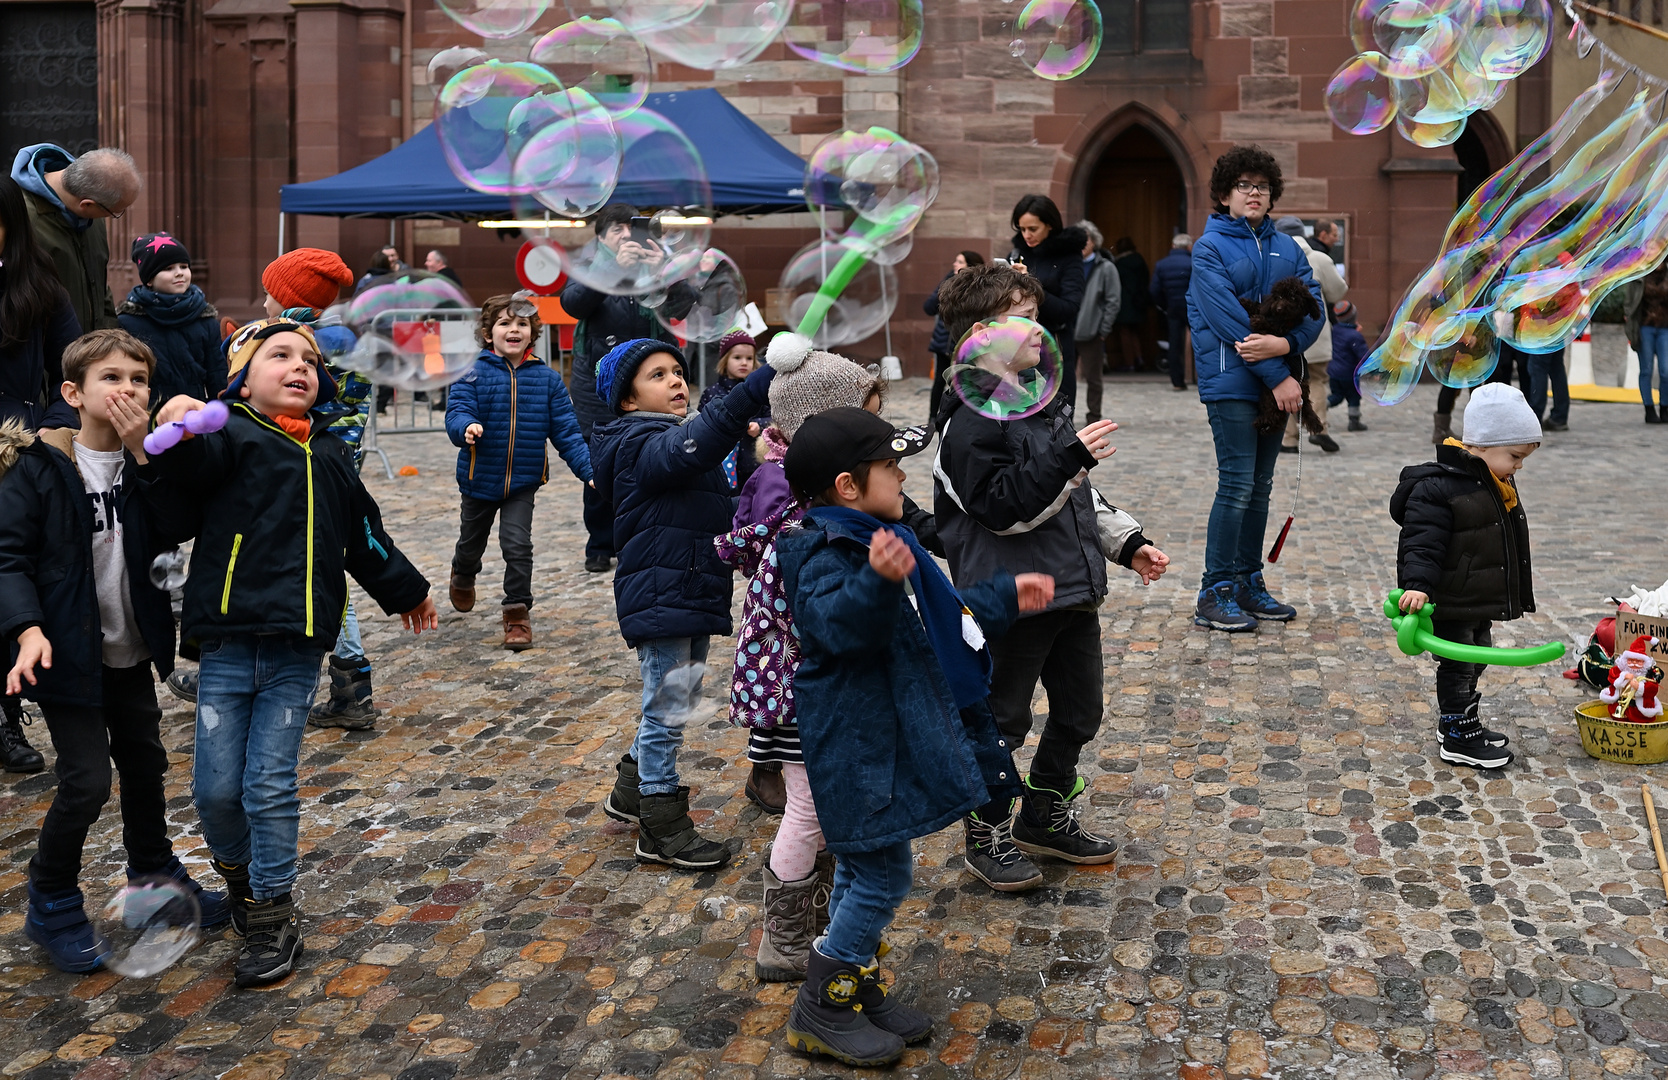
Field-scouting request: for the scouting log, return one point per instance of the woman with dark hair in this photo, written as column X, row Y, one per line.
column 941, row 346
column 1053, row 254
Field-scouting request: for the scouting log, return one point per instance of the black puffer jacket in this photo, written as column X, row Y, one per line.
column 604, row 322
column 1057, row 264
column 184, row 333
column 1459, row 544
column 32, row 371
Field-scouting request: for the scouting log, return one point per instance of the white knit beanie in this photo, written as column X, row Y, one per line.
column 1498, row 415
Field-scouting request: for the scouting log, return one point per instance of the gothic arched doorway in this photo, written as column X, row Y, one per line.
column 1137, row 190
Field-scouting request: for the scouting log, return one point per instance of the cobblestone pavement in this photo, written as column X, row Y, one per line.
column 1305, row 890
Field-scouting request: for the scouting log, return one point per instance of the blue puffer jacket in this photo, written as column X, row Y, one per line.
column 1229, row 262
column 664, row 478
column 518, row 409
column 887, row 755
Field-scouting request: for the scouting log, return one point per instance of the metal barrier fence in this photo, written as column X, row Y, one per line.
column 396, row 411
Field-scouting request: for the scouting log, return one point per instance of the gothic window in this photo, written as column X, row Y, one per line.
column 1143, row 26
column 48, row 77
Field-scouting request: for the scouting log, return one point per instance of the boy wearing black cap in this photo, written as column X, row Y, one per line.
column 281, row 514
column 891, row 689
column 171, row 315
column 663, row 478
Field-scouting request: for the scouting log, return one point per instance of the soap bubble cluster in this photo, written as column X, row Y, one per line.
column 719, row 293
column 863, row 36
column 1007, row 369
column 415, row 330
column 1426, row 65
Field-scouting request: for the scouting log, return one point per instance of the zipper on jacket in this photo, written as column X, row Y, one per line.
column 509, row 458
column 226, row 591
column 307, row 449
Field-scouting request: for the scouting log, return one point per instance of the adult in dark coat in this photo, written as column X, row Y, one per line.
column 68, row 198
column 1132, row 314
column 940, row 344
column 1053, row 254
column 36, row 322
column 1168, row 290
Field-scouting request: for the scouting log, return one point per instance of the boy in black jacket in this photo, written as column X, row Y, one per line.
column 1011, row 495
column 283, row 516
column 78, row 525
column 1465, row 549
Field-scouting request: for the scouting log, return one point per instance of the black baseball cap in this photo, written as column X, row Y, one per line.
column 837, row 441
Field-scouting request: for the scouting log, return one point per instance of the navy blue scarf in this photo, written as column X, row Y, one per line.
column 967, row 671
column 169, row 309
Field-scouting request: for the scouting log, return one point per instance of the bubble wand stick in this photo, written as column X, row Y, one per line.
column 1414, row 635
column 838, row 278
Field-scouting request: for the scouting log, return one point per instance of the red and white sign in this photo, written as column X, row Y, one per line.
column 539, row 268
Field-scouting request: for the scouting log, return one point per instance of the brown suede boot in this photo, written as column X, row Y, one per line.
column 518, row 628
column 767, row 789
column 463, row 592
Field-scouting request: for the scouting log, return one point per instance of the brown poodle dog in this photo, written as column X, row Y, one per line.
column 1288, row 303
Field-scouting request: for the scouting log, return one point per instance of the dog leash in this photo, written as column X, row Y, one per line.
column 1297, row 488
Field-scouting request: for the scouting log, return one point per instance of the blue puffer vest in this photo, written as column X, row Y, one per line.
column 519, row 409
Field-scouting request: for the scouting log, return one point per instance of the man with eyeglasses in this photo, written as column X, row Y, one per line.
column 69, row 200
column 1240, row 257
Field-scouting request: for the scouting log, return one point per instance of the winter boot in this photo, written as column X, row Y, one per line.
column 623, row 802
column 183, row 684
column 213, row 907
column 828, row 1018
column 58, row 923
column 1355, row 423
column 790, row 917
column 767, row 789
column 349, row 705
column 886, row 1011
column 1218, row 608
column 1651, row 416
column 1444, row 429
column 238, row 894
column 518, row 628
column 993, row 858
column 1490, row 736
column 1463, row 743
column 19, row 756
column 273, row 943
column 462, row 591
column 1047, row 825
column 825, row 890
column 1255, row 600
column 665, row 834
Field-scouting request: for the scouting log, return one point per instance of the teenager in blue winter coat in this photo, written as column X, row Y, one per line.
column 663, row 475
column 1241, row 256
column 500, row 415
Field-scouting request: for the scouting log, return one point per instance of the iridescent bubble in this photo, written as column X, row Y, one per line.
column 416, row 331
column 494, row 18
column 1359, row 98
column 1409, row 38
column 720, row 294
column 639, row 15
column 1478, row 93
column 484, row 113
column 148, row 925
column 886, row 179
column 860, row 294
column 1506, row 38
column 726, row 34
column 891, row 253
column 1442, row 134
column 1059, row 38
column 599, row 56
column 1429, row 100
column 411, row 290
column 865, row 36
column 1016, row 47
column 1006, row 369
column 570, row 166
column 448, row 62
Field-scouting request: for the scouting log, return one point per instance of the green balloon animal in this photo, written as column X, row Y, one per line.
column 1414, row 635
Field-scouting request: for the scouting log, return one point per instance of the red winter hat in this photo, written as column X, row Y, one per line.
column 306, row 277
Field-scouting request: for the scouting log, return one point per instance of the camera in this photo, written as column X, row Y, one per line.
column 643, row 229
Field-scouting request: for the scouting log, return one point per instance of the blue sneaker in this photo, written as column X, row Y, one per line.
column 58, row 923
column 1219, row 610
column 1255, row 600
column 216, row 909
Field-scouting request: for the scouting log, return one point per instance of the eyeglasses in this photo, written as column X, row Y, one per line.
column 111, row 214
column 1246, row 187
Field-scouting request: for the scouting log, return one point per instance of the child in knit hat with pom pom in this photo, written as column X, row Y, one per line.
column 171, row 315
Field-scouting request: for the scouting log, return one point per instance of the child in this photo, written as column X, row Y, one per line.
column 76, row 542
column 665, row 481
column 892, row 687
column 767, row 653
column 171, row 315
column 1012, row 494
column 736, row 359
column 501, row 414
column 1349, row 348
column 1465, row 548
column 283, row 515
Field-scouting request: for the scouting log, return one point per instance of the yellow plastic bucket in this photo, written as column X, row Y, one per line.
column 1611, row 740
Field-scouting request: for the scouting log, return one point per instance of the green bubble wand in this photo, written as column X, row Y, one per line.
column 853, row 261
column 1415, row 635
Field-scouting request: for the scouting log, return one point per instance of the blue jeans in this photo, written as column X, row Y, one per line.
column 868, row 887
column 253, row 693
column 1245, row 462
column 660, row 731
column 349, row 645
column 1545, row 368
column 1653, row 343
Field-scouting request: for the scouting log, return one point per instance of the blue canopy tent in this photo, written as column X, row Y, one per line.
column 748, row 170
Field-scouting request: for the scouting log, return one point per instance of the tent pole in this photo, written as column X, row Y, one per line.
column 280, row 232
column 392, row 222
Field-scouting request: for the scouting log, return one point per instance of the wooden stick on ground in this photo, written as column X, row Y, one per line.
column 1656, row 834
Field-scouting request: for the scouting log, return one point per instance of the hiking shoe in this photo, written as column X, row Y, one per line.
column 790, row 919
column 767, row 789
column 1470, row 725
column 15, row 750
column 213, row 907
column 461, row 591
column 1219, row 609
column 624, row 802
column 1255, row 600
column 273, row 943
column 828, row 1018
column 885, row 1011
column 665, row 834
column 993, row 859
column 518, row 628
column 238, row 894
column 1047, row 825
column 1355, row 424
column 349, row 705
column 1325, row 442
column 183, row 684
column 58, row 923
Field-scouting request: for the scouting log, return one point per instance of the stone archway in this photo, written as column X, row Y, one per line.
column 1482, row 150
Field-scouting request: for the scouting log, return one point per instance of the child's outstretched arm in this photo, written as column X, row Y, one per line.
column 565, row 435
column 701, row 444
column 845, row 613
column 383, row 570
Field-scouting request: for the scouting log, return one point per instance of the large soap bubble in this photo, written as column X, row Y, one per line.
column 1006, row 369
column 416, row 331
column 720, row 292
column 149, row 924
column 1506, row 38
column 1408, row 38
column 863, row 36
column 571, row 165
column 494, row 18
column 485, row 112
column 1061, row 38
column 1430, row 99
column 411, row 290
column 725, row 34
column 886, row 179
column 1444, row 133
column 448, row 62
column 639, row 15
column 855, row 296
column 1360, row 98
column 599, row 56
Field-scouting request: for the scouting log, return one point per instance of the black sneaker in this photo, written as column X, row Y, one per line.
column 1255, row 600
column 1292, row 449
column 1448, row 724
column 1355, row 424
column 1219, row 609
column 1325, row 442
column 15, row 751
column 273, row 943
column 596, row 564
column 1047, row 825
column 1475, row 753
column 183, row 684
column 993, row 858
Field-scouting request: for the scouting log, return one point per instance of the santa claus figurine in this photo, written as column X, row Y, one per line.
column 1632, row 693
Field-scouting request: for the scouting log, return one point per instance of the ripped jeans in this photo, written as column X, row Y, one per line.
column 253, row 694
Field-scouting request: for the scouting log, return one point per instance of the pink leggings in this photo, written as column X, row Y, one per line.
column 799, row 837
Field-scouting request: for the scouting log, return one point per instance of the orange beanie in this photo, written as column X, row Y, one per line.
column 306, row 277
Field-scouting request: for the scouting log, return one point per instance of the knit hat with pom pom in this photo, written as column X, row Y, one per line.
column 809, row 381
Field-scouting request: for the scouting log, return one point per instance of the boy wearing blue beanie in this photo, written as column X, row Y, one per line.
column 662, row 473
